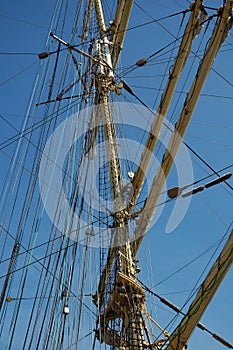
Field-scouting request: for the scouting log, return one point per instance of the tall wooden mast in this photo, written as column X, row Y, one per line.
column 123, row 304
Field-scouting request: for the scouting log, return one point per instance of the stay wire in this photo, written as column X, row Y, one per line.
column 179, row 311
column 78, row 341
column 37, row 125
column 178, row 91
column 219, row 242
column 167, row 68
column 10, row 140
column 133, row 67
column 43, row 266
column 18, row 74
column 38, row 260
column 26, row 251
column 34, row 145
column 189, row 147
column 64, row 49
column 231, row 188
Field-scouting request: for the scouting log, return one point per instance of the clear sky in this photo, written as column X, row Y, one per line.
column 25, row 26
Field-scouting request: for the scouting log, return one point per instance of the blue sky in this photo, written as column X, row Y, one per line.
column 25, row 26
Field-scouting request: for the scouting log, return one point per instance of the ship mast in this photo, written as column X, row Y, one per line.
column 127, row 298
column 127, row 293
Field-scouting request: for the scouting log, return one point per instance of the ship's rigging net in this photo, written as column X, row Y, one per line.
column 75, row 206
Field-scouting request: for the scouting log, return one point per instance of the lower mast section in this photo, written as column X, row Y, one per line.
column 120, row 324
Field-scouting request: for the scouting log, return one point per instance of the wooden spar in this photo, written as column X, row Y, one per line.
column 86, row 21
column 115, row 23
column 219, row 34
column 71, row 47
column 180, row 336
column 121, row 23
column 9, row 272
column 100, row 18
column 181, row 58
